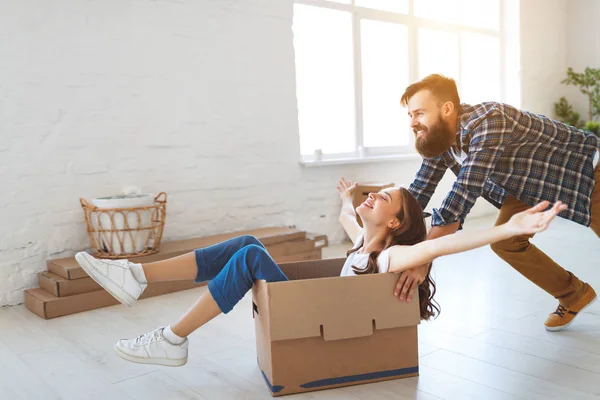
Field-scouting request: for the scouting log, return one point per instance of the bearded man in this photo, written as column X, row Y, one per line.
column 514, row 159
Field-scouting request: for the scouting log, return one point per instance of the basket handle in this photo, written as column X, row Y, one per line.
column 85, row 204
column 158, row 197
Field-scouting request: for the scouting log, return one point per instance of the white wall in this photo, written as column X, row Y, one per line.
column 583, row 45
column 543, row 53
column 195, row 98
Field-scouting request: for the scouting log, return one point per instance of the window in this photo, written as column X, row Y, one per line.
column 384, row 74
column 354, row 58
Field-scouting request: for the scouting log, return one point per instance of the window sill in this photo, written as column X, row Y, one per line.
column 309, row 163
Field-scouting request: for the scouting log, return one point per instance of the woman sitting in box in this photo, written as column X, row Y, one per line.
column 393, row 239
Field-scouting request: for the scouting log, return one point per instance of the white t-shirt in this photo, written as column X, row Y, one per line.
column 360, row 260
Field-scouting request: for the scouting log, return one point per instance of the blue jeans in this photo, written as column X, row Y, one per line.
column 233, row 266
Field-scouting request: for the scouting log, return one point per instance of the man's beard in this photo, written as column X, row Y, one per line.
column 433, row 141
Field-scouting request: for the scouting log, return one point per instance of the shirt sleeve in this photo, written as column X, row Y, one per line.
column 487, row 143
column 429, row 175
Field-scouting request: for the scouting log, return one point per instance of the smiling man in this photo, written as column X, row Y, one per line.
column 514, row 159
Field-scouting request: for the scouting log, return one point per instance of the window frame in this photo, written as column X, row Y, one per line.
column 412, row 23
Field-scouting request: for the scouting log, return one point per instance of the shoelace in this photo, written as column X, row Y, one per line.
column 560, row 311
column 148, row 337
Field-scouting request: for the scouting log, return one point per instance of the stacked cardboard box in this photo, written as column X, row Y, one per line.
column 66, row 289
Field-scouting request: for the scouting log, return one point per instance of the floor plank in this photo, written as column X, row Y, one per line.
column 157, row 386
column 499, row 378
column 19, row 382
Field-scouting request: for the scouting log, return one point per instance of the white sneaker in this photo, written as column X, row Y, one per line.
column 153, row 348
column 115, row 276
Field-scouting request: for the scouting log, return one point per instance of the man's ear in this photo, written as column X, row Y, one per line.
column 447, row 108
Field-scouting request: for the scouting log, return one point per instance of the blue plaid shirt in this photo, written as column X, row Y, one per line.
column 511, row 152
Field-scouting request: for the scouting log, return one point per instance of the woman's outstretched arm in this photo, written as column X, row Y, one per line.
column 529, row 221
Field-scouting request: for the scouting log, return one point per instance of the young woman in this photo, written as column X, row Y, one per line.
column 392, row 240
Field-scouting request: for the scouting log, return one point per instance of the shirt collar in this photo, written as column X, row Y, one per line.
column 459, row 127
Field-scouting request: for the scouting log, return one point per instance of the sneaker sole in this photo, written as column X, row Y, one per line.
column 108, row 285
column 155, row 361
column 559, row 328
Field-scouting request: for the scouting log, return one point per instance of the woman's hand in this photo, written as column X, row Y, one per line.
column 534, row 220
column 346, row 189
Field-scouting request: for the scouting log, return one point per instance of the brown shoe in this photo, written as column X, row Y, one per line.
column 562, row 317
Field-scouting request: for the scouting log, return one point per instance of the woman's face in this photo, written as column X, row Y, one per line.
column 381, row 208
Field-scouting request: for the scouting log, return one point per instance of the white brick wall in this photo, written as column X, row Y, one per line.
column 192, row 97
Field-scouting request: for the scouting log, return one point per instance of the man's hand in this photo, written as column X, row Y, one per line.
column 412, row 278
column 409, row 281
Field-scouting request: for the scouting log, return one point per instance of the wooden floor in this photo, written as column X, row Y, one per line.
column 489, row 342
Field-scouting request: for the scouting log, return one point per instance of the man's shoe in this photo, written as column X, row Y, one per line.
column 563, row 316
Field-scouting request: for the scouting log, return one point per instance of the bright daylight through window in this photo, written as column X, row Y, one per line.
column 354, row 58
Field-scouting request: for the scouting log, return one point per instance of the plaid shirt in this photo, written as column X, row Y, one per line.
column 511, row 152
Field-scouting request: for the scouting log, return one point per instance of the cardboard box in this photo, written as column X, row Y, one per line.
column 362, row 192
column 49, row 306
column 69, row 269
column 60, row 287
column 311, row 243
column 321, row 241
column 321, row 331
column 309, row 255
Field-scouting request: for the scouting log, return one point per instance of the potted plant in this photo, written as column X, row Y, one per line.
column 588, row 83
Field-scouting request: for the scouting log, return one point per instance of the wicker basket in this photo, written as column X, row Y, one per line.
column 126, row 232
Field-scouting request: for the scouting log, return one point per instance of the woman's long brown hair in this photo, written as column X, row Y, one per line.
column 412, row 230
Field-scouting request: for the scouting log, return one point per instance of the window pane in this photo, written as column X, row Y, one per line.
column 385, row 77
column 480, row 80
column 324, row 79
column 478, row 13
column 441, row 10
column 398, row 6
column 481, row 13
column 438, row 53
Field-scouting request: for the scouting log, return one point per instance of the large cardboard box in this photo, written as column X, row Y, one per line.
column 362, row 192
column 320, row 331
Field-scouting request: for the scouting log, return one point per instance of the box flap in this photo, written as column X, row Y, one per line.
column 323, row 269
column 290, row 270
column 337, row 307
column 313, row 268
